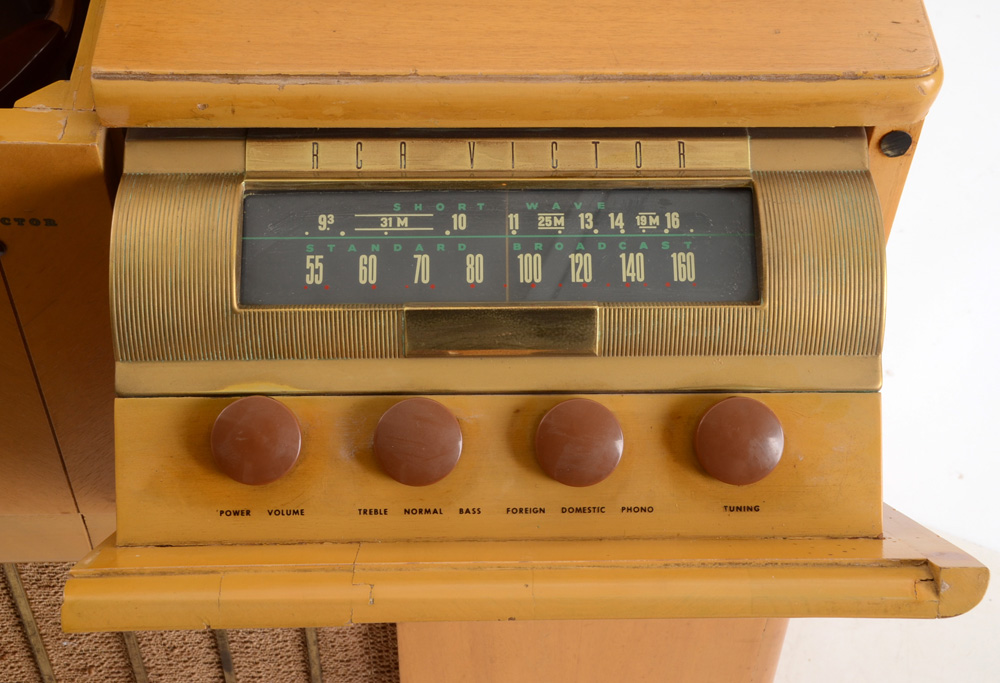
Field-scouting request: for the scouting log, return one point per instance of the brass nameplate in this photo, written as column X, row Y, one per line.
column 521, row 331
column 304, row 157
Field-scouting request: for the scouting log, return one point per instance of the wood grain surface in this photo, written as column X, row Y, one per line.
column 56, row 368
column 714, row 40
column 676, row 650
column 451, row 63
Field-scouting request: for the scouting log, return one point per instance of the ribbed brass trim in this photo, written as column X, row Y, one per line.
column 175, row 268
column 826, row 266
column 174, row 274
column 822, row 271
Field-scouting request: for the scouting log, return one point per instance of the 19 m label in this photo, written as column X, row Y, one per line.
column 479, row 246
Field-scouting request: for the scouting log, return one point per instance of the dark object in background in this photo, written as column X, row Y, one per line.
column 38, row 43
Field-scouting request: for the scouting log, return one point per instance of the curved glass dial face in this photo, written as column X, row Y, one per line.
column 641, row 245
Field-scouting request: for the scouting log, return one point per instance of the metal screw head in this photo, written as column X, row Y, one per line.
column 895, row 143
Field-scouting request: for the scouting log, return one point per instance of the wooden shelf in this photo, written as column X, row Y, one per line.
column 909, row 573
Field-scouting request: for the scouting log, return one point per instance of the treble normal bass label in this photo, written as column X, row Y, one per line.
column 483, row 246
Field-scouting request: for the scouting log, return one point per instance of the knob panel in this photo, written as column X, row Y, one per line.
column 418, row 442
column 739, row 441
column 256, row 440
column 338, row 493
column 579, row 442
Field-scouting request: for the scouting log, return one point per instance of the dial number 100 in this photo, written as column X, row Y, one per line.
column 530, row 268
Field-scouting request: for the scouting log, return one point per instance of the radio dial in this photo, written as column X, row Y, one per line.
column 579, row 442
column 256, row 440
column 418, row 442
column 739, row 441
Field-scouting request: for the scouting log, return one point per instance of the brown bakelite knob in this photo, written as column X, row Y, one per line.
column 739, row 441
column 256, row 440
column 418, row 442
column 579, row 442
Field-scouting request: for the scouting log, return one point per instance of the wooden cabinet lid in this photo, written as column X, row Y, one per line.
column 443, row 63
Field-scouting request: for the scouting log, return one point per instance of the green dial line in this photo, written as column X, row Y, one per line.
column 495, row 237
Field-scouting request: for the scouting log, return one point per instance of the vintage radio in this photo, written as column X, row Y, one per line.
column 497, row 337
column 410, row 333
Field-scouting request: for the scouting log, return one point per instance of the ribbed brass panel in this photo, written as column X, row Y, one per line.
column 175, row 269
column 173, row 284
column 822, row 285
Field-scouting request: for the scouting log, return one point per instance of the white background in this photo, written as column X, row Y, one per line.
column 941, row 360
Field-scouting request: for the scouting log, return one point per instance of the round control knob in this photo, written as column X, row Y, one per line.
column 418, row 442
column 579, row 442
column 256, row 440
column 739, row 441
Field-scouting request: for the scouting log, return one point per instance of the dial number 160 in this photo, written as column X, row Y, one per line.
column 683, row 266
